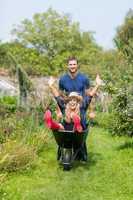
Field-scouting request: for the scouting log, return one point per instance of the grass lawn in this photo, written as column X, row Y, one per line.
column 108, row 174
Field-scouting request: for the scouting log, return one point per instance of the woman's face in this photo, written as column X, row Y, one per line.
column 73, row 103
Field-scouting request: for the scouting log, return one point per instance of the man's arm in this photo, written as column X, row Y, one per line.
column 61, row 87
column 87, row 85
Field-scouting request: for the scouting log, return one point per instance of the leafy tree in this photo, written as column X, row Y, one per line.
column 4, row 60
column 122, row 118
column 54, row 37
column 29, row 58
column 122, row 100
column 124, row 37
column 24, row 82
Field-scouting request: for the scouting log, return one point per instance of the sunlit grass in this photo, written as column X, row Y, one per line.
column 106, row 176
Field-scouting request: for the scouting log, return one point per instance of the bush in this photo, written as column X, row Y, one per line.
column 122, row 124
column 7, row 126
column 15, row 156
column 8, row 105
column 39, row 139
column 23, row 126
column 15, row 126
column 104, row 119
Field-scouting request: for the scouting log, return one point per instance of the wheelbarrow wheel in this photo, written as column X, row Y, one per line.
column 66, row 161
column 66, row 167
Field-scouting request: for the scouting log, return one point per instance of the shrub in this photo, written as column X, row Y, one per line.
column 7, row 126
column 8, row 105
column 122, row 124
column 39, row 139
column 104, row 119
column 15, row 156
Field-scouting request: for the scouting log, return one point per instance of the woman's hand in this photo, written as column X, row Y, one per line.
column 98, row 80
column 51, row 81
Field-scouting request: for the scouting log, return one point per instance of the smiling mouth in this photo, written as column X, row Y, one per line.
column 73, row 68
column 72, row 105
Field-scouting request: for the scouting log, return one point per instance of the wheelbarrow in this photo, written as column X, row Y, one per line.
column 71, row 146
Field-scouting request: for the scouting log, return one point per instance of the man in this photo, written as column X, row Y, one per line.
column 74, row 81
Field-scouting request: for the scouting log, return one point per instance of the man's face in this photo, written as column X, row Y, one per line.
column 72, row 66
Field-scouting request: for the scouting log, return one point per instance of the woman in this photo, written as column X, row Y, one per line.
column 73, row 108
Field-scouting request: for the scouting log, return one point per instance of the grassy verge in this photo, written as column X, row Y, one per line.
column 107, row 174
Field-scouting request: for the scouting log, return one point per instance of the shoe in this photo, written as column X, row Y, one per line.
column 51, row 123
column 48, row 118
column 77, row 125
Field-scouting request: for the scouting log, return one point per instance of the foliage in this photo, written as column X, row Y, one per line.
column 24, row 82
column 25, row 85
column 123, row 92
column 39, row 140
column 8, row 105
column 7, row 127
column 123, row 112
column 4, row 60
column 51, row 38
column 124, row 37
column 43, row 45
column 33, row 63
column 104, row 120
column 21, row 140
column 15, row 156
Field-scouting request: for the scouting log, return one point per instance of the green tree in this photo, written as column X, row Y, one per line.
column 54, row 37
column 122, row 100
column 124, row 37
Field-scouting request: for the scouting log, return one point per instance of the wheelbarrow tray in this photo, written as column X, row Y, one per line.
column 69, row 139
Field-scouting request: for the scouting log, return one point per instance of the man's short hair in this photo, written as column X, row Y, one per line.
column 72, row 58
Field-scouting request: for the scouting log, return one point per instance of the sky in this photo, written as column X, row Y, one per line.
column 99, row 16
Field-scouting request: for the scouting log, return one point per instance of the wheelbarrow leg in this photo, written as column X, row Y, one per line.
column 84, row 152
column 81, row 153
column 67, row 159
column 58, row 153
